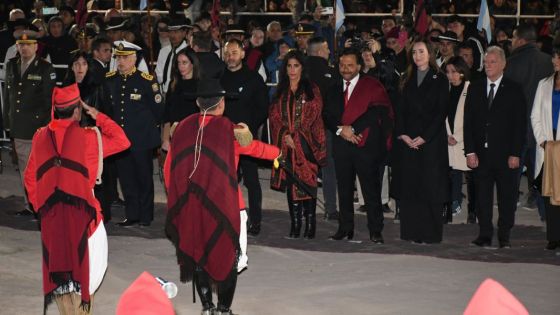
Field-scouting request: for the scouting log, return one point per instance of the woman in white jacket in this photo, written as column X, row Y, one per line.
column 457, row 72
column 544, row 119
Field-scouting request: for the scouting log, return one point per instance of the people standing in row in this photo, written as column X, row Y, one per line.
column 544, row 120
column 358, row 111
column 27, row 94
column 420, row 160
column 136, row 105
column 296, row 126
column 495, row 131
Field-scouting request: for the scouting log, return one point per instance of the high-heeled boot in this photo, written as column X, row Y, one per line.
column 295, row 209
column 202, row 284
column 310, row 207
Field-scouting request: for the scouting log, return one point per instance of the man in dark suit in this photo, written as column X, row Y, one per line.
column 358, row 111
column 494, row 130
column 101, row 51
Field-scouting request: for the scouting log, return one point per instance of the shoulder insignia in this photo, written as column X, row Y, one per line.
column 110, row 74
column 147, row 76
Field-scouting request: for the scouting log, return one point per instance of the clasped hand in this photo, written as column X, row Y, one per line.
column 348, row 134
column 412, row 143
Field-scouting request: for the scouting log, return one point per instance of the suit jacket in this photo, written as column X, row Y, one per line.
column 503, row 126
column 541, row 119
column 376, row 118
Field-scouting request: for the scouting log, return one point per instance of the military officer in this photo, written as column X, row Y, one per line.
column 27, row 98
column 136, row 104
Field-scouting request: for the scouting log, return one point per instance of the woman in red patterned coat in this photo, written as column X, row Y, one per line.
column 296, row 127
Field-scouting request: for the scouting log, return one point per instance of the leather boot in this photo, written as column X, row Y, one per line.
column 226, row 291
column 310, row 207
column 202, row 284
column 295, row 217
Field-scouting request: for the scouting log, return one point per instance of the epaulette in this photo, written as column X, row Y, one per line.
column 110, row 74
column 147, row 76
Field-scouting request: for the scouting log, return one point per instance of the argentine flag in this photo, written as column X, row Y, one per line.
column 339, row 15
column 484, row 20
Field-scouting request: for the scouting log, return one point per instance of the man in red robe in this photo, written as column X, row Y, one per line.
column 64, row 165
column 204, row 200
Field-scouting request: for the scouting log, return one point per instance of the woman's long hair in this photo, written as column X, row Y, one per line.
column 304, row 84
column 70, row 78
column 176, row 74
column 411, row 69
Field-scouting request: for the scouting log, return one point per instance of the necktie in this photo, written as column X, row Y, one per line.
column 346, row 96
column 491, row 95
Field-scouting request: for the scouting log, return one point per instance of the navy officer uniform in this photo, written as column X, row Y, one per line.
column 136, row 105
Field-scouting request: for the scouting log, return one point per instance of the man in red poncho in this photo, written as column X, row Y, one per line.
column 204, row 200
column 64, row 165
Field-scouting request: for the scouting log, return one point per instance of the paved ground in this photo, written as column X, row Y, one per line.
column 301, row 277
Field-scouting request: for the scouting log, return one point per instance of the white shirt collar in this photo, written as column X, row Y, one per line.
column 497, row 82
column 353, row 82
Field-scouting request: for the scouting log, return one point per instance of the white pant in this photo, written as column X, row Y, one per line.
column 243, row 259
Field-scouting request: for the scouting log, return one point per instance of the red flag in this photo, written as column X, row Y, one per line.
column 215, row 15
column 81, row 14
column 421, row 18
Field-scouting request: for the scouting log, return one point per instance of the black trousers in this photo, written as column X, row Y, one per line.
column 350, row 162
column 248, row 171
column 225, row 289
column 507, row 185
column 135, row 169
column 552, row 221
column 107, row 192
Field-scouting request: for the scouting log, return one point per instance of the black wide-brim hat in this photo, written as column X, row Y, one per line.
column 210, row 88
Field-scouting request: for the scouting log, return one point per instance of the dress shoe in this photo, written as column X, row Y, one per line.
column 340, row 235
column 376, row 238
column 505, row 244
column 482, row 242
column 362, row 209
column 386, row 208
column 331, row 216
column 24, row 213
column 127, row 223
column 552, row 245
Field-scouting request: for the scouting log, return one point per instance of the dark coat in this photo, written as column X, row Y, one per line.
column 59, row 49
column 321, row 74
column 180, row 101
column 503, row 126
column 251, row 103
column 527, row 65
column 422, row 174
column 27, row 97
column 212, row 67
column 136, row 104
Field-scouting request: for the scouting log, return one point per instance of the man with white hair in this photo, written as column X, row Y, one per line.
column 6, row 35
column 494, row 130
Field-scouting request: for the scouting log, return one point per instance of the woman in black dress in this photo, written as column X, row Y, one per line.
column 421, row 180
column 180, row 102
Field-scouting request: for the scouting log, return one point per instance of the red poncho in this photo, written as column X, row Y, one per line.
column 203, row 220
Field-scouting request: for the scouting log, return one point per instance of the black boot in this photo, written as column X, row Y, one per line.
column 310, row 207
column 226, row 290
column 202, row 284
column 296, row 209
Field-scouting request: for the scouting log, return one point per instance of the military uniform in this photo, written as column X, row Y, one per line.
column 27, row 105
column 27, row 97
column 136, row 105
